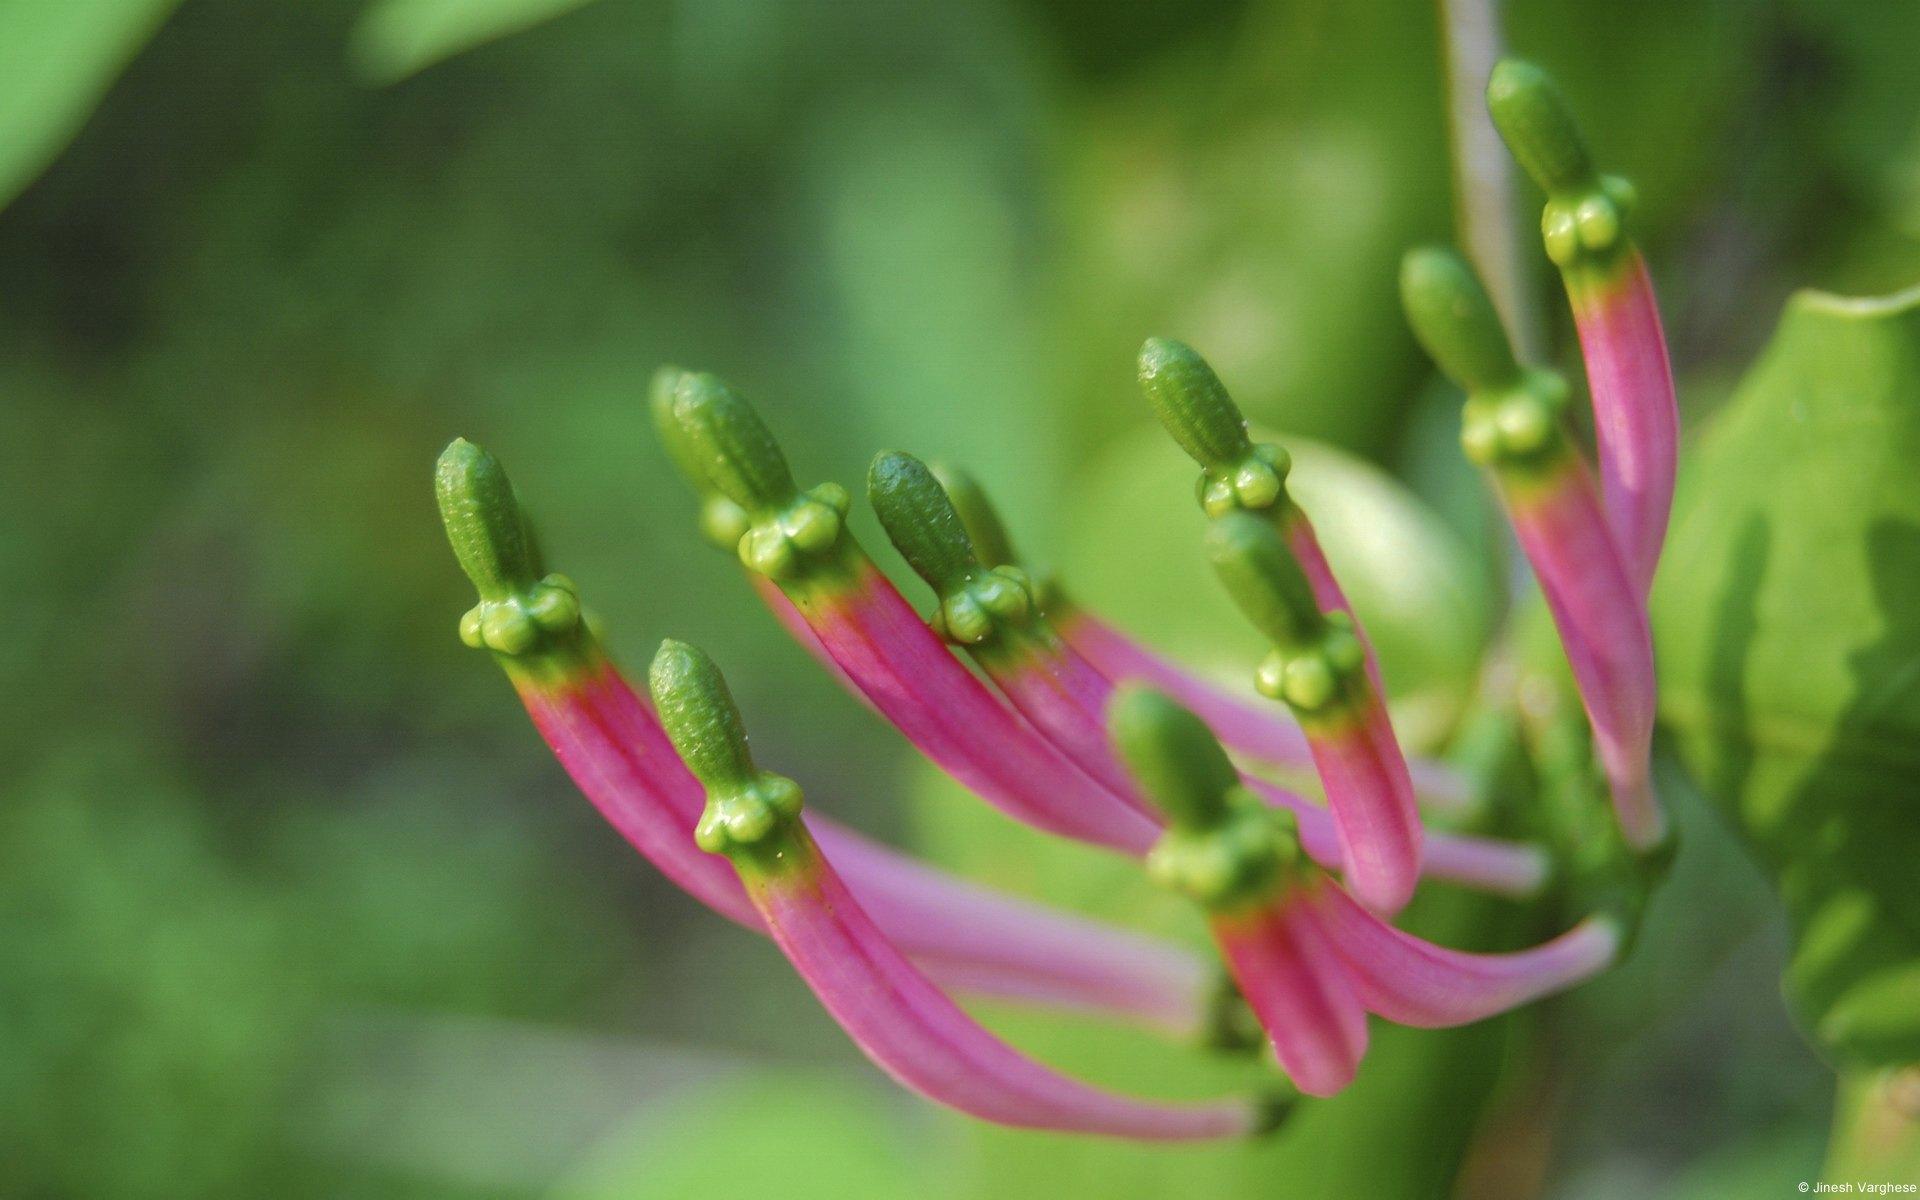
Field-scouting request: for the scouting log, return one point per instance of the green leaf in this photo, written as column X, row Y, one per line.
column 1789, row 641
column 396, row 38
column 57, row 58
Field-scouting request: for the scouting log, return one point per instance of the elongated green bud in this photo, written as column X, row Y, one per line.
column 520, row 611
column 1455, row 320
column 483, row 520
column 786, row 529
column 1177, row 761
column 976, row 602
column 1194, row 407
column 731, row 445
column 1318, row 665
column 1264, row 579
column 988, row 533
column 722, row 521
column 1223, row 848
column 1192, row 403
column 1514, row 418
column 1584, row 222
column 747, row 808
column 1534, row 118
column 921, row 521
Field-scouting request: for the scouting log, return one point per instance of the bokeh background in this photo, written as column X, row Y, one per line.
column 292, row 900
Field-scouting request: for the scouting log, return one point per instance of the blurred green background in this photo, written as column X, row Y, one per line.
column 292, row 900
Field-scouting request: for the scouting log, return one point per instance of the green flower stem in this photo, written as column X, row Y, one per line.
column 752, row 816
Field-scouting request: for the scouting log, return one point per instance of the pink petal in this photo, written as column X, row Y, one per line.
column 970, row 937
column 1298, row 987
column 1413, row 982
column 914, row 1033
column 915, row 681
column 1261, row 731
column 1508, row 868
column 1373, row 810
column 1603, row 625
column 1636, row 421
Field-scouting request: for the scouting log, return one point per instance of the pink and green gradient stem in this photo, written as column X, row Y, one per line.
column 1514, row 428
column 612, row 745
column 1636, row 421
column 1584, row 227
column 902, row 1022
column 1300, row 991
column 1603, row 627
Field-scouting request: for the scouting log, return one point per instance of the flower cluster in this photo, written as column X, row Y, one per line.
column 1075, row 729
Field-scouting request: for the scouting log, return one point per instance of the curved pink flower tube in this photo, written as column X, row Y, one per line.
column 913, row 1032
column 1410, row 981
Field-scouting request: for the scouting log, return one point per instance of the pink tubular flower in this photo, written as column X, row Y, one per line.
column 1299, row 988
column 1318, row 668
column 893, row 1012
column 611, row 743
column 994, row 615
column 1052, row 716
column 1310, row 960
column 1263, row 734
column 1636, row 420
column 859, row 619
column 1584, row 226
column 1514, row 428
column 1410, row 981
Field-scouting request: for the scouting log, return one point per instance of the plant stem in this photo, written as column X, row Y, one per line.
column 1485, row 206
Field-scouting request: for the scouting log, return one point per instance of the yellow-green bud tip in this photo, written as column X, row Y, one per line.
column 1192, row 403
column 1264, row 579
column 1176, row 759
column 1455, row 321
column 1538, row 126
column 730, row 445
column 483, row 520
